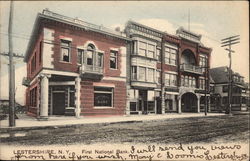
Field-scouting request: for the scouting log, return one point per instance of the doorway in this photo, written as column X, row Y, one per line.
column 58, row 103
column 143, row 101
column 189, row 102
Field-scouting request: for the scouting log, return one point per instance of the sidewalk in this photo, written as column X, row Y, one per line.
column 25, row 122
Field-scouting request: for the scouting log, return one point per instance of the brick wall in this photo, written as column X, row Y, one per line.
column 80, row 38
column 36, row 55
column 87, row 99
column 33, row 110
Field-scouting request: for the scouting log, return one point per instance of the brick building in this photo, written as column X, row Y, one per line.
column 77, row 68
column 74, row 68
column 168, row 73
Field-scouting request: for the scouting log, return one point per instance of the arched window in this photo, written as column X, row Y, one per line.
column 90, row 54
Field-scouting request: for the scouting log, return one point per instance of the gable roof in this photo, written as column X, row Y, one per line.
column 219, row 74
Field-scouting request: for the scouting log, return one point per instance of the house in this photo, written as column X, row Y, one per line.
column 239, row 90
column 75, row 68
column 168, row 73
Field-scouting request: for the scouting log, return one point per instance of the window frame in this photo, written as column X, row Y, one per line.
column 172, row 80
column 202, row 83
column 68, row 47
column 134, row 73
column 81, row 56
column 104, row 92
column 170, row 56
column 116, row 59
column 145, row 75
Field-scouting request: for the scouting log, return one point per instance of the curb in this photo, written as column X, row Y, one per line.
column 14, row 129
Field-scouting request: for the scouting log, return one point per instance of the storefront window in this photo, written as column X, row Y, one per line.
column 103, row 96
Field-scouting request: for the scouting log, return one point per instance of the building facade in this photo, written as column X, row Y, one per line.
column 75, row 68
column 168, row 73
column 240, row 90
column 81, row 69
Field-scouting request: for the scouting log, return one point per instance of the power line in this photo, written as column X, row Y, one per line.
column 228, row 42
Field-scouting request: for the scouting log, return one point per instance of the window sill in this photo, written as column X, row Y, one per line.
column 171, row 64
column 69, row 107
column 113, row 69
column 170, row 86
column 65, row 62
column 102, row 107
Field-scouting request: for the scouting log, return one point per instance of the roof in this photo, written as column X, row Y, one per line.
column 211, row 79
column 144, row 26
column 46, row 14
column 219, row 74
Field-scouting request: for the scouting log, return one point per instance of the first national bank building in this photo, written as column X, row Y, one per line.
column 81, row 69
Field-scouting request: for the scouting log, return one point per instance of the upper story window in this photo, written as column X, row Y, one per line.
column 113, row 59
column 150, row 75
column 134, row 72
column 90, row 54
column 158, row 54
column 188, row 81
column 202, row 83
column 65, row 50
column 142, row 48
column 80, row 56
column 170, row 56
column 33, row 63
column 99, row 59
column 151, row 51
column 170, row 79
column 40, row 52
column 158, row 77
column 142, row 74
column 146, row 49
column 203, row 62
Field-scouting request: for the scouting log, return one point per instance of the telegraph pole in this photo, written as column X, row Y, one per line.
column 12, row 121
column 229, row 42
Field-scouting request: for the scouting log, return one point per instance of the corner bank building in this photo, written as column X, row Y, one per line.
column 167, row 73
column 80, row 69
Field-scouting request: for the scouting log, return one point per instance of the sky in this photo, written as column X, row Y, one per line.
column 214, row 20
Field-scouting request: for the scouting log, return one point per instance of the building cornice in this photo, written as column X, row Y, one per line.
column 69, row 21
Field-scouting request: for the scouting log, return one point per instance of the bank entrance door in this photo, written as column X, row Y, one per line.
column 59, row 103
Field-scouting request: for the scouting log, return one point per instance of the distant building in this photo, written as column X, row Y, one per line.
column 220, row 94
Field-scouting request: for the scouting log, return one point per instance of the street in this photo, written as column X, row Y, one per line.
column 210, row 129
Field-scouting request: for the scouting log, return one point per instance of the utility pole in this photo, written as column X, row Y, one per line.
column 206, row 88
column 229, row 41
column 189, row 19
column 12, row 121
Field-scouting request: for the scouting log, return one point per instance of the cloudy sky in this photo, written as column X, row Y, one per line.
column 214, row 20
